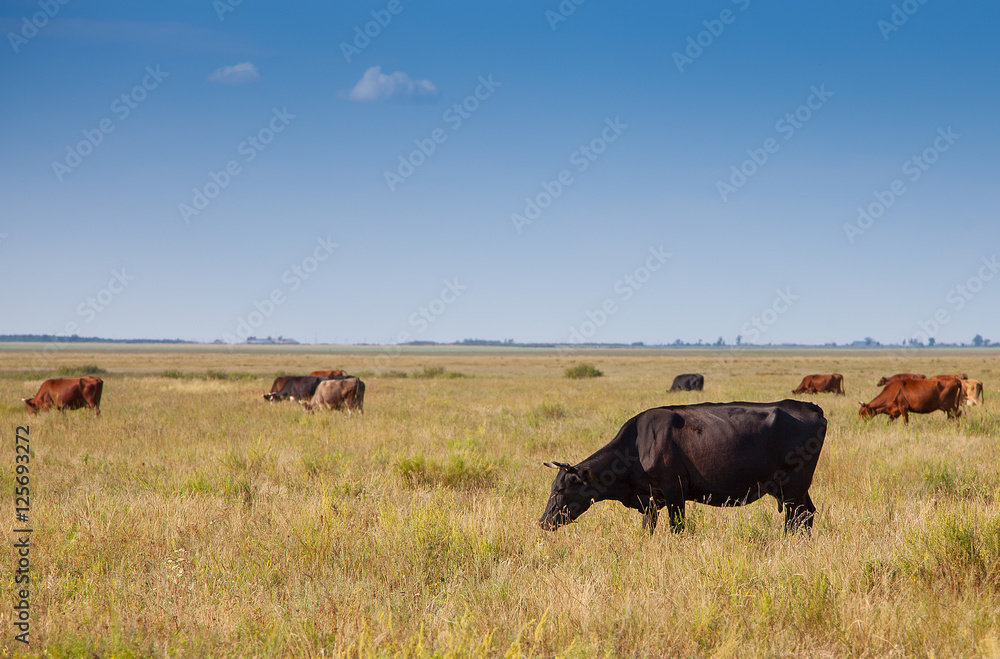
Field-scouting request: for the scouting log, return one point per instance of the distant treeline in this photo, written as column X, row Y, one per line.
column 510, row 343
column 52, row 338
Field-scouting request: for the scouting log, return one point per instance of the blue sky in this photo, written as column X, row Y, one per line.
column 628, row 122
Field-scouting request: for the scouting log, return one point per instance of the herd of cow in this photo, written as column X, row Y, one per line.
column 331, row 390
column 719, row 454
column 906, row 392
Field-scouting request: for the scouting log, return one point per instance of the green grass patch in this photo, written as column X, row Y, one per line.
column 546, row 412
column 229, row 376
column 583, row 370
column 80, row 371
column 428, row 372
column 458, row 471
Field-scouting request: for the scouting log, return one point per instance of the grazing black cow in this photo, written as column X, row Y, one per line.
column 720, row 454
column 295, row 387
column 688, row 382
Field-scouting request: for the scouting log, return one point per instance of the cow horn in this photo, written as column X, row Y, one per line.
column 861, row 403
column 561, row 465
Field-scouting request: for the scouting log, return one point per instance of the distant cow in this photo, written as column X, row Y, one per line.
column 900, row 376
column 972, row 392
column 901, row 397
column 68, row 394
column 295, row 387
column 328, row 374
column 347, row 393
column 816, row 384
column 720, row 454
column 688, row 382
column 957, row 376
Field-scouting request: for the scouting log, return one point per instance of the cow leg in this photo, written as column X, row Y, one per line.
column 650, row 516
column 799, row 514
column 675, row 514
column 675, row 511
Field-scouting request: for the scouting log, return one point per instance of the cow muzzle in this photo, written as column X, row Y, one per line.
column 551, row 521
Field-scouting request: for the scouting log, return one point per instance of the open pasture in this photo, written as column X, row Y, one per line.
column 192, row 518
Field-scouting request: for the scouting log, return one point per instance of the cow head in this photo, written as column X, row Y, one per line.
column 32, row 405
column 570, row 497
column 866, row 411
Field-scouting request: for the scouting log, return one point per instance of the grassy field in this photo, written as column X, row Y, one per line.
column 194, row 519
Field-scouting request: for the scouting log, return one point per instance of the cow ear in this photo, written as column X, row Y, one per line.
column 586, row 475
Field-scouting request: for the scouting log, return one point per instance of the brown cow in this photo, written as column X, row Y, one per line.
column 338, row 373
column 958, row 376
column 901, row 397
column 972, row 392
column 348, row 393
column 900, row 376
column 815, row 384
column 68, row 394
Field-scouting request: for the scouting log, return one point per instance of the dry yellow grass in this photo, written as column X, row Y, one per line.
column 194, row 519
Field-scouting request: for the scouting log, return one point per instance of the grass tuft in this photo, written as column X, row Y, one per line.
column 458, row 471
column 80, row 371
column 583, row 370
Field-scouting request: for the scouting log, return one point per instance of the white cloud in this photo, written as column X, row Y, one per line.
column 237, row 74
column 377, row 86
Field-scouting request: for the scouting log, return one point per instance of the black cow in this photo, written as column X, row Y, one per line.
column 296, row 387
column 688, row 382
column 720, row 454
